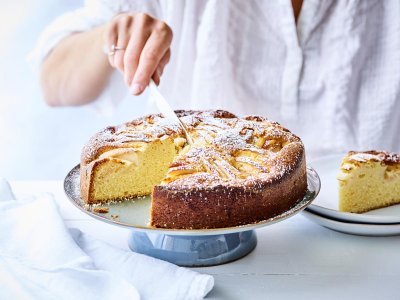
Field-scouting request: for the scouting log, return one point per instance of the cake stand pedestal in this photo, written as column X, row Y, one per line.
column 184, row 247
column 195, row 250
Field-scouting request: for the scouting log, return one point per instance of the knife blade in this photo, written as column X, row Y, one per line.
column 164, row 107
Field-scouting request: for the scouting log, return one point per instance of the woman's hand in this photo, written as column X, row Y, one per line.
column 143, row 48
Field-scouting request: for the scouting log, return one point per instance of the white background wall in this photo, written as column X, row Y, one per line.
column 36, row 141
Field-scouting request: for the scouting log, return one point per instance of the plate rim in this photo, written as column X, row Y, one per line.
column 376, row 229
column 302, row 204
column 347, row 216
column 353, row 217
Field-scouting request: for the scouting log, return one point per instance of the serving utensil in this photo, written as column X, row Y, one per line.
column 164, row 107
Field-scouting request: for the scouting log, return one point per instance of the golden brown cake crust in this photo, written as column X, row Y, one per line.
column 141, row 130
column 226, row 206
column 239, row 170
column 383, row 156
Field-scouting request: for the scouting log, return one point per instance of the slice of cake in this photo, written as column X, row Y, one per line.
column 369, row 180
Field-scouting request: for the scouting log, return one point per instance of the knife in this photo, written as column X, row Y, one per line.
column 166, row 110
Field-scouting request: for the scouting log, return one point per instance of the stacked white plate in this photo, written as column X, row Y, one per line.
column 324, row 209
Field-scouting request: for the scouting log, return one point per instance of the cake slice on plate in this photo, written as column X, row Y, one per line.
column 369, row 180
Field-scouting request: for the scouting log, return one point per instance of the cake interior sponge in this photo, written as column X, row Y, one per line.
column 368, row 180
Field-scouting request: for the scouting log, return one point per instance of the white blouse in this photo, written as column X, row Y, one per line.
column 334, row 79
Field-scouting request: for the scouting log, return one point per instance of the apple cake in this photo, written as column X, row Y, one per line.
column 369, row 180
column 237, row 170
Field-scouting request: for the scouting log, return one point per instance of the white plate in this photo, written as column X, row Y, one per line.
column 354, row 228
column 326, row 203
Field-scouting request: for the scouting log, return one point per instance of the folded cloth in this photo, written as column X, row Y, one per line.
column 41, row 259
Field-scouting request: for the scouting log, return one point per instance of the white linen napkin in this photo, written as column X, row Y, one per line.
column 41, row 259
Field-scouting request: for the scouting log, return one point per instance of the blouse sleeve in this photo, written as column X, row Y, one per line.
column 94, row 13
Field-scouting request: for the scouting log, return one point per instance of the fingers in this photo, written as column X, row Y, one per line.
column 156, row 78
column 132, row 53
column 145, row 44
column 154, row 50
column 111, row 35
column 119, row 53
column 160, row 69
column 124, row 35
column 163, row 62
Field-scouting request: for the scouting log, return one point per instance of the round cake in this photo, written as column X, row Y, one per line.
column 236, row 171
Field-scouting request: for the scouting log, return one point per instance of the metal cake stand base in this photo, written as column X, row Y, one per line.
column 194, row 251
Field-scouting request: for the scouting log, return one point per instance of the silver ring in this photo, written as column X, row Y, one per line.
column 114, row 49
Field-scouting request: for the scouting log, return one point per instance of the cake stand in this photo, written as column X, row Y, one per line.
column 200, row 247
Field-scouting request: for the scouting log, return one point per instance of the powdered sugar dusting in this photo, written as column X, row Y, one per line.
column 373, row 155
column 227, row 150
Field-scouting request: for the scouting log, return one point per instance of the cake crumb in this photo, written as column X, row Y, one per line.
column 114, row 217
column 101, row 210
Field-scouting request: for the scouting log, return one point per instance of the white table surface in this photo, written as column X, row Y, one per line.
column 294, row 259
